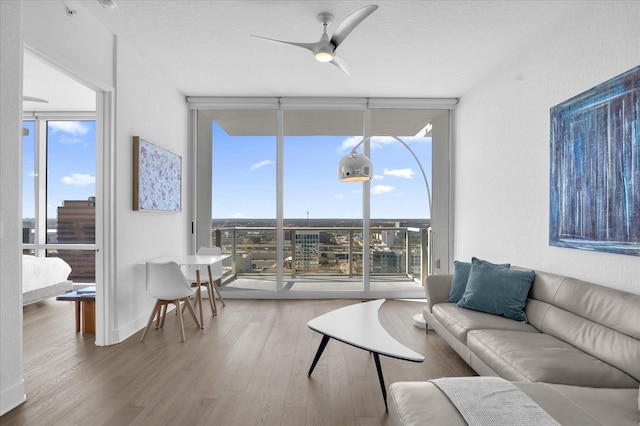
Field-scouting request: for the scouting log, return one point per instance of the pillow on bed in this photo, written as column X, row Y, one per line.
column 497, row 290
column 461, row 272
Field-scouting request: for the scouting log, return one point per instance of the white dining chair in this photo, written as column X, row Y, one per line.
column 167, row 283
column 216, row 274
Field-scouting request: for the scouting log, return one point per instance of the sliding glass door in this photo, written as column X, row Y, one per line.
column 278, row 207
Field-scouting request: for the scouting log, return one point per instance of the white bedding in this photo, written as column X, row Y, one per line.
column 40, row 272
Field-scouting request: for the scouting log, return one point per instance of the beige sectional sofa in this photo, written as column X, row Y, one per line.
column 578, row 356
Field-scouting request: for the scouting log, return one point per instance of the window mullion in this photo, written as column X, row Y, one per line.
column 40, row 239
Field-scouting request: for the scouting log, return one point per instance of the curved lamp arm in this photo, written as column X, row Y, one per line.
column 357, row 167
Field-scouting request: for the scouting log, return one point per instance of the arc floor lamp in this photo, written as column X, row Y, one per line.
column 355, row 167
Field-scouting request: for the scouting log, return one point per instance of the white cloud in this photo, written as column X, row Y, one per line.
column 32, row 174
column 382, row 189
column 256, row 166
column 339, row 196
column 402, row 173
column 379, row 141
column 377, row 177
column 79, row 179
column 237, row 215
column 349, row 143
column 75, row 128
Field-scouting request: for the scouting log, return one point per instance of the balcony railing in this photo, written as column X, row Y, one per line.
column 315, row 251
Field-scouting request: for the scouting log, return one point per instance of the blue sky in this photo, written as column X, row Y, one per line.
column 71, row 164
column 244, row 174
column 244, row 177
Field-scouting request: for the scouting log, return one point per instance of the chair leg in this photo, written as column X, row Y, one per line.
column 163, row 315
column 177, row 303
column 212, row 301
column 156, row 309
column 187, row 303
column 195, row 303
column 217, row 289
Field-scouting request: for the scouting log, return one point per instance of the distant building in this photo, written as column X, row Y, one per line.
column 244, row 263
column 387, row 262
column 388, row 238
column 307, row 251
column 77, row 225
column 28, row 231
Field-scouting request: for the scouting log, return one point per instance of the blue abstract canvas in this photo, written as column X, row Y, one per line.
column 595, row 168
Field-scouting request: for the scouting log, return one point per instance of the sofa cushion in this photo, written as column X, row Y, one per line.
column 610, row 345
column 422, row 403
column 616, row 309
column 497, row 290
column 461, row 272
column 539, row 357
column 459, row 321
column 606, row 406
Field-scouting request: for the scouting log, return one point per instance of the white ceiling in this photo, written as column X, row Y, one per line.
column 414, row 49
column 61, row 92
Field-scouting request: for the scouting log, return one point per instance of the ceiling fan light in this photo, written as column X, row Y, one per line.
column 107, row 4
column 324, row 56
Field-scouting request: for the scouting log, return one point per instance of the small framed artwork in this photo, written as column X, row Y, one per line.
column 595, row 168
column 157, row 178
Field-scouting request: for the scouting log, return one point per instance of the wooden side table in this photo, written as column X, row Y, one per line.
column 85, row 301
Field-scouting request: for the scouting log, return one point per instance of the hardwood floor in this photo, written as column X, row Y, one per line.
column 248, row 366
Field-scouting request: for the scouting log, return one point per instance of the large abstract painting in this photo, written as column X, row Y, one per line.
column 595, row 168
column 157, row 177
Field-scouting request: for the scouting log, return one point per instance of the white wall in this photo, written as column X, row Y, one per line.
column 11, row 378
column 502, row 143
column 145, row 104
column 149, row 107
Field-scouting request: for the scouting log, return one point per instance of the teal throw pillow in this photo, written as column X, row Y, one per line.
column 461, row 272
column 497, row 290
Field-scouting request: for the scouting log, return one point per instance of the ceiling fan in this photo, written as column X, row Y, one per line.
column 324, row 50
column 34, row 99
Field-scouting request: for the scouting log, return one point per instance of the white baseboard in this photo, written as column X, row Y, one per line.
column 12, row 397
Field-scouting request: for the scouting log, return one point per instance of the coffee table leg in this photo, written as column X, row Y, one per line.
column 376, row 357
column 323, row 344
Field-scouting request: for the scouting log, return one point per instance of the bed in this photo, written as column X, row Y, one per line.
column 44, row 277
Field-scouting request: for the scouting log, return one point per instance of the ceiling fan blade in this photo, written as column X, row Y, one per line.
column 341, row 63
column 352, row 21
column 309, row 46
column 32, row 99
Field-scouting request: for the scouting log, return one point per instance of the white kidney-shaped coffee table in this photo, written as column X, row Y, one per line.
column 358, row 325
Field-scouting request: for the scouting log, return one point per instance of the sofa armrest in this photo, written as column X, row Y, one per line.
column 437, row 289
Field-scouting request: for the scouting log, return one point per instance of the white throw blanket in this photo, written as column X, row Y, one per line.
column 493, row 401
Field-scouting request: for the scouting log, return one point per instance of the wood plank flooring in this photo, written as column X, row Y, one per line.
column 248, row 366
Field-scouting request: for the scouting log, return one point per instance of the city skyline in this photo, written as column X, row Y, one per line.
column 244, row 174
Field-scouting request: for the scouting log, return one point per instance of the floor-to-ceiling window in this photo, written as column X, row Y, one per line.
column 321, row 227
column 317, row 208
column 243, row 190
column 59, row 192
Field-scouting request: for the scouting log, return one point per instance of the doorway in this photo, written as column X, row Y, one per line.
column 61, row 201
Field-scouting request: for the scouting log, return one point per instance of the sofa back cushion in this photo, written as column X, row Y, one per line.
column 601, row 321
